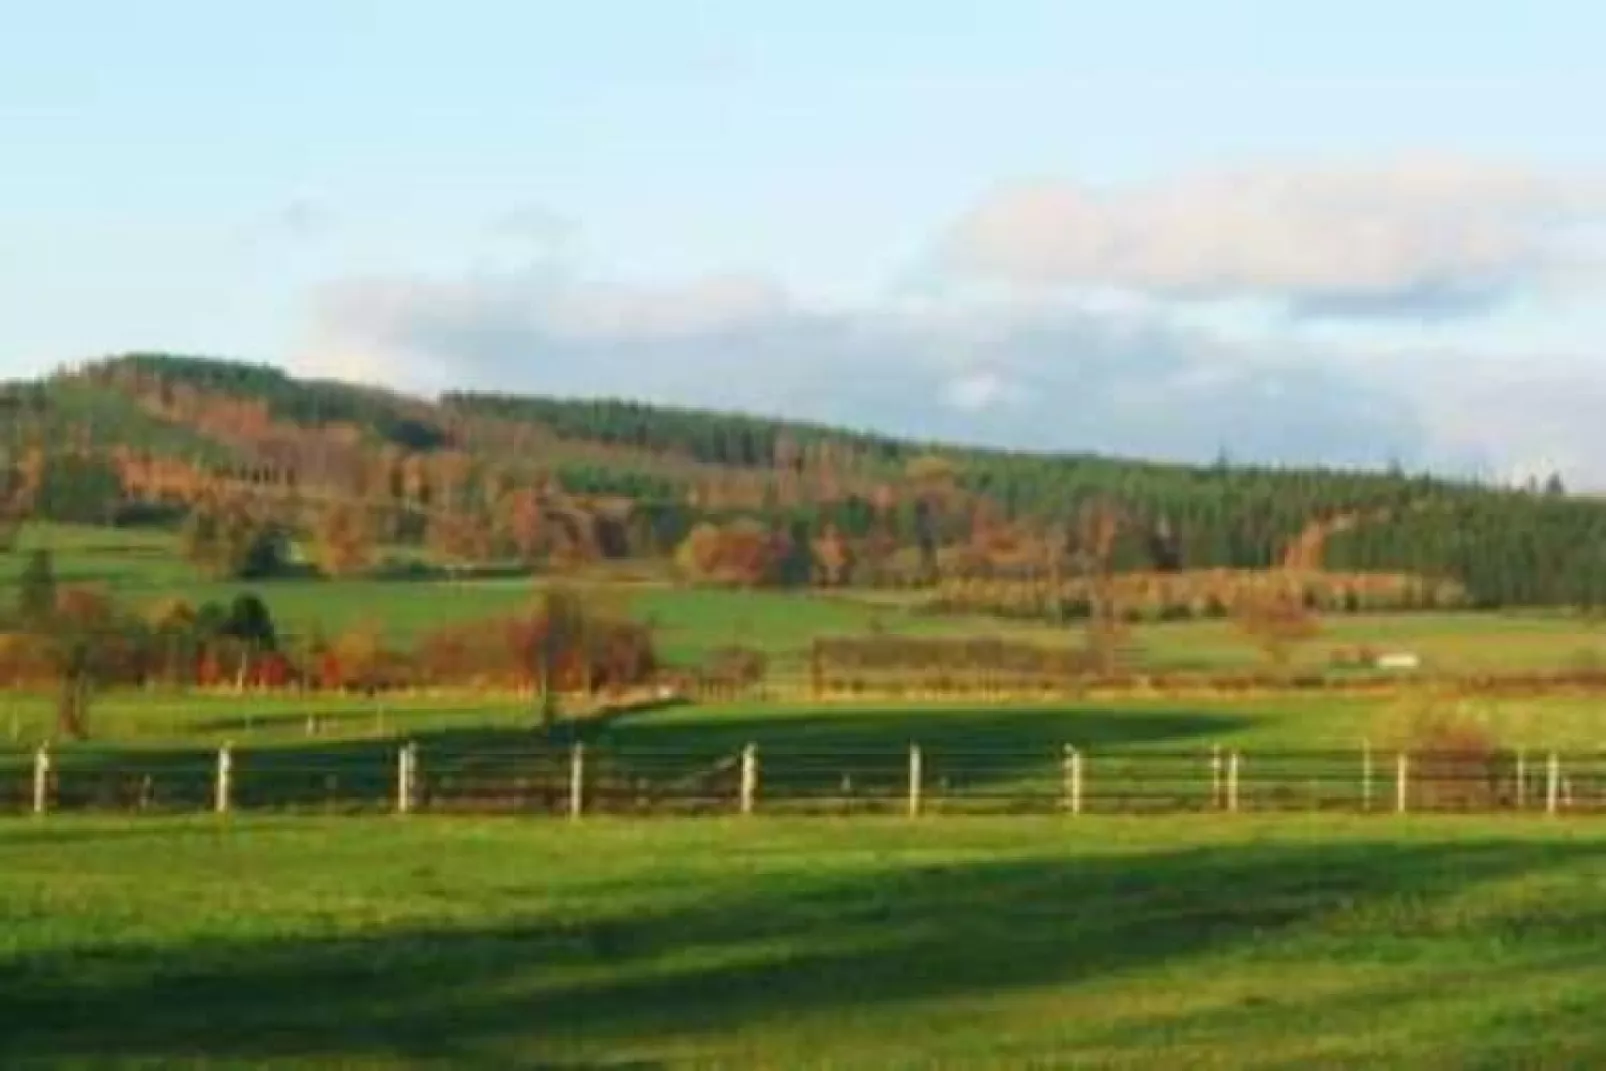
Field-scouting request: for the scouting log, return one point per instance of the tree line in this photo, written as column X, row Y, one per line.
column 77, row 640
column 728, row 498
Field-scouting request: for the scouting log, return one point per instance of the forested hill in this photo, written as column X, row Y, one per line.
column 484, row 477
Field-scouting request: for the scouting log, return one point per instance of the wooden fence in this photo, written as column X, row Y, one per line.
column 374, row 776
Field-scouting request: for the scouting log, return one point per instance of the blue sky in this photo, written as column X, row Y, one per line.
column 1347, row 233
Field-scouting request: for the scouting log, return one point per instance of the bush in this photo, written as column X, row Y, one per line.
column 1457, row 762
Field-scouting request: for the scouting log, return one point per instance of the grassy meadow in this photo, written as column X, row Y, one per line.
column 1249, row 941
column 789, row 944
column 691, row 623
column 144, row 566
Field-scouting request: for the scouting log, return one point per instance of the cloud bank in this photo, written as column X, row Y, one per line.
column 1047, row 379
column 1035, row 364
column 1424, row 237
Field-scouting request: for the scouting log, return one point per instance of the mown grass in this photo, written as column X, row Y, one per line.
column 801, row 943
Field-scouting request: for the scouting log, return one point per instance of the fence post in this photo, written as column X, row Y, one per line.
column 1232, row 782
column 1215, row 776
column 41, row 779
column 225, row 771
column 1071, row 774
column 577, row 779
column 406, row 758
column 1366, row 775
column 914, row 780
column 1522, row 779
column 749, row 777
column 1402, row 782
column 1552, row 783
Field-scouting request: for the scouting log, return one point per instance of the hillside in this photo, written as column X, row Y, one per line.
column 545, row 483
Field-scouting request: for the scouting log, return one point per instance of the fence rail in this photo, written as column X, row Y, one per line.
column 374, row 777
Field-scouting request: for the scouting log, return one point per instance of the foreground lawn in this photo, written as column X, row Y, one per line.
column 775, row 943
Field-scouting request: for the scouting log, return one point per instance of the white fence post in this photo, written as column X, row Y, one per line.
column 225, row 771
column 1232, row 782
column 1402, row 782
column 749, row 777
column 1522, row 779
column 1071, row 776
column 577, row 779
column 41, row 779
column 1366, row 775
column 406, row 762
column 1552, row 783
column 914, row 780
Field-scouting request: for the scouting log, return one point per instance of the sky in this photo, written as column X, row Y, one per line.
column 1361, row 234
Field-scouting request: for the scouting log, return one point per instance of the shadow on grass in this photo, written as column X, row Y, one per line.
column 751, row 957
column 640, row 762
column 882, row 728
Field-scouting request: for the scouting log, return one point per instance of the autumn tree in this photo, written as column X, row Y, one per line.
column 13, row 503
column 85, row 639
column 561, row 629
column 1276, row 620
column 743, row 553
column 523, row 523
column 345, row 539
column 356, row 658
column 933, row 480
column 833, row 557
column 229, row 540
column 698, row 555
column 1099, row 523
column 173, row 625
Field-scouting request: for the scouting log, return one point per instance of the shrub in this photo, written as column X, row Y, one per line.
column 1457, row 762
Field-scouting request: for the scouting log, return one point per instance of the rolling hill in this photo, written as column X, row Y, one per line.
column 480, row 478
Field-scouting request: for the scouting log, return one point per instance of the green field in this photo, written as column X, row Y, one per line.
column 1287, row 721
column 884, row 944
column 1333, row 755
column 144, row 566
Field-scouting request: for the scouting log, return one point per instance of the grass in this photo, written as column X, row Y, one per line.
column 785, row 942
column 1268, row 723
column 1139, row 755
column 801, row 943
column 144, row 566
column 1453, row 641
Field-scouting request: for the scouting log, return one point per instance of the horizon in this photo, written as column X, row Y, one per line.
column 1528, row 483
column 1296, row 239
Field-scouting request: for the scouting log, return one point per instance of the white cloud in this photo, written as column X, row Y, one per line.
column 980, row 389
column 1028, row 377
column 1096, row 359
column 1518, row 418
column 1421, row 237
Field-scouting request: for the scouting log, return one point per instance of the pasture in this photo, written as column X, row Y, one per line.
column 144, row 566
column 1329, row 754
column 1241, row 941
column 1273, row 721
column 419, row 942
